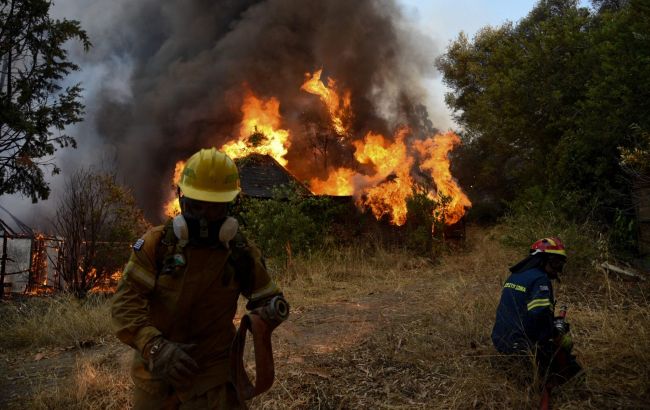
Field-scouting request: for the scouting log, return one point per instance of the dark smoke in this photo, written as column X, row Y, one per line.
column 190, row 60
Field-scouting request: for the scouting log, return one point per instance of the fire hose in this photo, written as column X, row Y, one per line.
column 564, row 365
column 261, row 323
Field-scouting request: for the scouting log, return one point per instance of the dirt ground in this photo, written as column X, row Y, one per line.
column 301, row 344
column 412, row 335
column 321, row 330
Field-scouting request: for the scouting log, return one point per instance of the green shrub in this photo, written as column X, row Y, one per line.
column 426, row 224
column 290, row 222
column 538, row 217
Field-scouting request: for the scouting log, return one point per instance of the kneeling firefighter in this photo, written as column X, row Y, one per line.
column 525, row 320
column 178, row 296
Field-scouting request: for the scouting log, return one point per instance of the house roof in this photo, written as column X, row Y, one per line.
column 11, row 226
column 260, row 174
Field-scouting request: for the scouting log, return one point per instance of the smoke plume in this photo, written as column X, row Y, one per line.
column 172, row 76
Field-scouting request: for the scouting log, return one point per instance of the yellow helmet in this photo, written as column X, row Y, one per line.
column 211, row 176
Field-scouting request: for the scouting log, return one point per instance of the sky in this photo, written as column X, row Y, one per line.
column 442, row 21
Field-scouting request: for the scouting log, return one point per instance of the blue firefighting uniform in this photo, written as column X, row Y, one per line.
column 524, row 317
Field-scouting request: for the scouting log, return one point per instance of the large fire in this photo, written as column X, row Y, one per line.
column 260, row 130
column 339, row 182
column 435, row 152
column 382, row 179
column 337, row 106
column 386, row 192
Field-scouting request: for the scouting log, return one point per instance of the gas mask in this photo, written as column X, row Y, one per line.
column 202, row 232
column 204, row 224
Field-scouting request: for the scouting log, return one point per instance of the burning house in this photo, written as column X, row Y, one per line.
column 381, row 174
column 332, row 91
column 261, row 174
column 30, row 261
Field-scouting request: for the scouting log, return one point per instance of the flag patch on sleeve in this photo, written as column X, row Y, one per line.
column 138, row 244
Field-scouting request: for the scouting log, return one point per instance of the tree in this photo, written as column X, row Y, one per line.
column 514, row 93
column 97, row 219
column 546, row 103
column 34, row 107
column 292, row 222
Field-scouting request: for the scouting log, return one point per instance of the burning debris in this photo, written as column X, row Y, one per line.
column 105, row 284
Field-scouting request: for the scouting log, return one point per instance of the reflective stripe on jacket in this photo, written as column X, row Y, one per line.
column 525, row 313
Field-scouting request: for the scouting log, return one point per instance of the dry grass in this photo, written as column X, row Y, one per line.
column 99, row 382
column 53, row 321
column 384, row 330
column 435, row 351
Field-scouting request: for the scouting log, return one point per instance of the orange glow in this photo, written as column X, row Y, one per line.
column 260, row 130
column 389, row 196
column 435, row 154
column 384, row 169
column 337, row 106
column 383, row 196
column 384, row 155
column 338, row 182
column 173, row 207
column 108, row 284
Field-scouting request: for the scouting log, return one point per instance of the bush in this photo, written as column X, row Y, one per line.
column 426, row 221
column 289, row 223
column 538, row 217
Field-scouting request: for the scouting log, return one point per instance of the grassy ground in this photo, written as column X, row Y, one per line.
column 369, row 329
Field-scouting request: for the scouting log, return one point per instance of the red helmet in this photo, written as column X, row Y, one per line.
column 548, row 245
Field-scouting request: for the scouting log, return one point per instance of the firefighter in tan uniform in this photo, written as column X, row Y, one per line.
column 178, row 296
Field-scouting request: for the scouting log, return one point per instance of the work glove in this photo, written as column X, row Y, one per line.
column 171, row 361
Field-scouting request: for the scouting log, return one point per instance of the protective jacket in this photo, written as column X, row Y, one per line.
column 524, row 316
column 195, row 302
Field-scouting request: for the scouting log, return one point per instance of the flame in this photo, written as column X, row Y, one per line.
column 116, row 276
column 382, row 196
column 173, row 207
column 338, row 107
column 389, row 198
column 435, row 152
column 385, row 156
column 108, row 284
column 390, row 159
column 338, row 182
column 382, row 177
column 260, row 130
column 39, row 267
